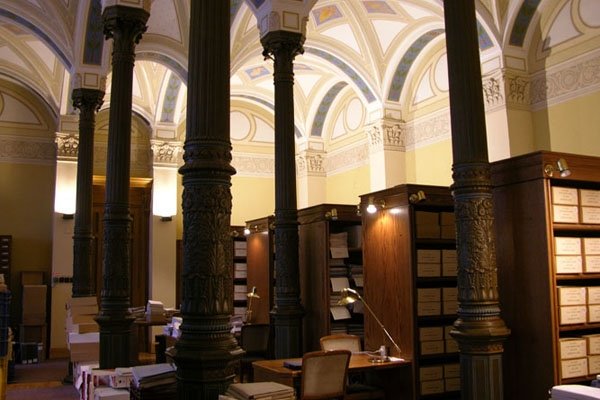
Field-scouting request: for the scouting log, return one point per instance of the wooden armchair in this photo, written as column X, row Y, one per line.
column 324, row 375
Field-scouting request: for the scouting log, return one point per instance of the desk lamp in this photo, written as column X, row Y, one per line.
column 251, row 295
column 350, row 296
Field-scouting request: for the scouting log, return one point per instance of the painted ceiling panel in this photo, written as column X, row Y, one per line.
column 307, row 82
column 416, row 12
column 424, row 90
column 562, row 28
column 161, row 20
column 46, row 56
column 590, row 12
column 16, row 111
column 344, row 34
column 8, row 54
column 387, row 31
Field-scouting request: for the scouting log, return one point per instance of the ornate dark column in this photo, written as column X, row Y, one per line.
column 479, row 329
column 125, row 25
column 207, row 354
column 282, row 47
column 88, row 101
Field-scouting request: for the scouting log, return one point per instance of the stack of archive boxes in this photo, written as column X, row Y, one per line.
column 441, row 378
column 32, row 331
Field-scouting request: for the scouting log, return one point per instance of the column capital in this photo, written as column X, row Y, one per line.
column 67, row 145
column 86, row 99
column 310, row 163
column 387, row 134
column 279, row 44
column 127, row 21
column 166, row 152
column 506, row 87
column 289, row 16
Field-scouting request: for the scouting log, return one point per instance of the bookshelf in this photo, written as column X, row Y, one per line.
column 240, row 288
column 330, row 244
column 409, row 255
column 261, row 267
column 548, row 256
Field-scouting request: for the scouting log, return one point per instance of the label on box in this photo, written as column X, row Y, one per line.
column 593, row 294
column 431, row 373
column 429, row 256
column 593, row 313
column 431, row 333
column 567, row 246
column 565, row 214
column 451, row 346
column 432, row 347
column 573, row 368
column 449, row 268
column 450, row 307
column 572, row 348
column 571, row 296
column 429, row 294
column 592, row 264
column 428, row 270
column 452, row 384
column 563, row 195
column 452, row 370
column 449, row 256
column 569, row 264
column 593, row 343
column 590, row 215
column 573, row 315
column 449, row 294
column 590, row 197
column 429, row 308
column 432, row 387
column 591, row 246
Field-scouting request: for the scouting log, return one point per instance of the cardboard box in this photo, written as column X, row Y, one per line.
column 449, row 268
column 428, row 256
column 432, row 347
column 572, row 315
column 34, row 304
column 591, row 246
column 108, row 393
column 590, row 215
column 594, row 365
column 592, row 264
column 593, row 295
column 430, row 333
column 593, row 313
column 429, row 294
column 573, row 368
column 431, row 373
column 450, row 307
column 451, row 346
column 432, row 387
column 429, row 308
column 572, row 348
column 428, row 270
column 590, row 197
column 564, row 195
column 592, row 343
column 452, row 384
column 565, row 214
column 84, row 346
column 571, row 295
column 449, row 256
column 449, row 294
column 448, row 232
column 32, row 278
column 567, row 246
column 447, row 330
column 32, row 333
column 568, row 264
column 452, row 370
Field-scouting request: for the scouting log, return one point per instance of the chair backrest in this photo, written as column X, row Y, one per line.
column 255, row 338
column 324, row 374
column 341, row 342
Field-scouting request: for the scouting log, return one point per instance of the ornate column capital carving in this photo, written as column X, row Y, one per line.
column 310, row 163
column 86, row 99
column 387, row 134
column 166, row 152
column 505, row 87
column 67, row 145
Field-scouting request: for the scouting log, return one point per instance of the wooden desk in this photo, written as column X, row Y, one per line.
column 395, row 377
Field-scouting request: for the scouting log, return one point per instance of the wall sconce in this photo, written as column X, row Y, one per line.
column 561, row 166
column 247, row 230
column 372, row 207
column 65, row 188
column 332, row 214
column 164, row 193
column 417, row 197
column 358, row 212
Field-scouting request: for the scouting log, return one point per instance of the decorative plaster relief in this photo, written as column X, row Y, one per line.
column 387, row 135
column 434, row 128
column 310, row 164
column 67, row 145
column 20, row 149
column 347, row 159
column 253, row 165
column 166, row 152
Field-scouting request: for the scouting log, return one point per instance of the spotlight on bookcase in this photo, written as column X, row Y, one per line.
column 417, row 197
column 561, row 166
column 333, row 215
column 374, row 205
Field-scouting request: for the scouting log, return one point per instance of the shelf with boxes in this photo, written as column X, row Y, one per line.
column 32, row 334
column 548, row 254
column 330, row 242
column 410, row 269
column 240, row 275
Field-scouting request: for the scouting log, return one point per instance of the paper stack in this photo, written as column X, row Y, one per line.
column 84, row 346
column 260, row 390
column 154, row 381
column 80, row 315
column 155, row 311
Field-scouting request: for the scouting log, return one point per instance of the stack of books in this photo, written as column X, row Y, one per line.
column 81, row 312
column 155, row 311
column 260, row 390
column 154, row 382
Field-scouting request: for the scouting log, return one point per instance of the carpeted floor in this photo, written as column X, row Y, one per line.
column 42, row 381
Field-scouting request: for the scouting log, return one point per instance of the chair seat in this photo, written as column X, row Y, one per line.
column 360, row 391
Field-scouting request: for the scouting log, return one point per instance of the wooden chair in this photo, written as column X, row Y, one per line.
column 255, row 340
column 324, row 375
column 356, row 389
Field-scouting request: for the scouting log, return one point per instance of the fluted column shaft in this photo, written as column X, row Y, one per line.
column 479, row 329
column 207, row 354
column 282, row 47
column 88, row 101
column 126, row 26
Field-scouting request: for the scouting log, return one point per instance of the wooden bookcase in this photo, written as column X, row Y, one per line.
column 532, row 270
column 261, row 267
column 240, row 288
column 318, row 267
column 5, row 257
column 409, row 255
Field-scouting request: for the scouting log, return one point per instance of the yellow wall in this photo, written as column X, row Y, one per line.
column 346, row 187
column 570, row 127
column 253, row 197
column 27, row 204
column 431, row 165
